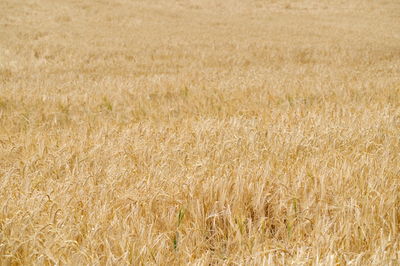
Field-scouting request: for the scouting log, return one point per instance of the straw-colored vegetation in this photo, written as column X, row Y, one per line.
column 223, row 132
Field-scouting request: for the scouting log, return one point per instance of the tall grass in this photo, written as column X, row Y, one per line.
column 202, row 132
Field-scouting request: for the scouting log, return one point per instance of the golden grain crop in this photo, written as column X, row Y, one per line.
column 203, row 132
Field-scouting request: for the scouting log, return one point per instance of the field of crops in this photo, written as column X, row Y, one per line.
column 136, row 132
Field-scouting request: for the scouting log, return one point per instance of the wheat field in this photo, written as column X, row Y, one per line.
column 208, row 132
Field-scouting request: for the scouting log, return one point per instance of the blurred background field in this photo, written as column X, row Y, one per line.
column 203, row 132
